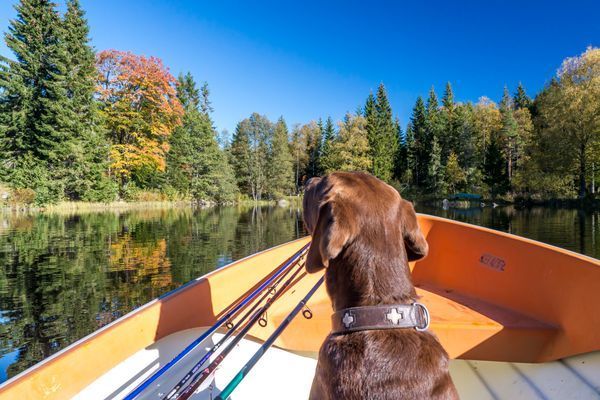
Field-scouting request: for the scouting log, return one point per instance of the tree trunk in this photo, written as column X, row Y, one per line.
column 582, row 171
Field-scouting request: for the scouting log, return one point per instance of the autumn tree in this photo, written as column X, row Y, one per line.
column 141, row 110
column 571, row 108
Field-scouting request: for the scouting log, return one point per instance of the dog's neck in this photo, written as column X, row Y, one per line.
column 362, row 276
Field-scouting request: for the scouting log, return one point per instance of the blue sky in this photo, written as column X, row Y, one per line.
column 309, row 59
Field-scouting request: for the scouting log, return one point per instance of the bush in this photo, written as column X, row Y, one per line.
column 24, row 196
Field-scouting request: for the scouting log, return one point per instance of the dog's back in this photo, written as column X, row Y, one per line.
column 365, row 234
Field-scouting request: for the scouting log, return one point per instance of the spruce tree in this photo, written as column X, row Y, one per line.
column 385, row 145
column 449, row 141
column 313, row 148
column 494, row 169
column 400, row 158
column 33, row 96
column 435, row 124
column 411, row 156
column 520, row 98
column 436, row 172
column 85, row 170
column 196, row 165
column 326, row 161
column 422, row 143
column 280, row 169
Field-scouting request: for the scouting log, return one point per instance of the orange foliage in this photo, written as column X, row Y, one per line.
column 140, row 107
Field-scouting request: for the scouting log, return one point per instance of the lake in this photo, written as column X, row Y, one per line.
column 64, row 276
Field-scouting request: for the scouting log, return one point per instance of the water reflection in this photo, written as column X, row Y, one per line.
column 63, row 277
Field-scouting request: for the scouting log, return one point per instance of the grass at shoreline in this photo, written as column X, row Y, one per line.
column 82, row 206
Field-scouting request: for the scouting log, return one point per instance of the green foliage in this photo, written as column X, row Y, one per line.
column 327, row 163
column 351, row 148
column 280, row 172
column 196, row 165
column 521, row 99
column 455, row 176
column 314, row 143
column 494, row 169
column 421, row 145
column 249, row 150
column 435, row 173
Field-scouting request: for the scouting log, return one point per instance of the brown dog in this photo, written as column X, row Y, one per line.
column 364, row 234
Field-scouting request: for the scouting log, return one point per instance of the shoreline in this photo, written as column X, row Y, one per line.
column 118, row 206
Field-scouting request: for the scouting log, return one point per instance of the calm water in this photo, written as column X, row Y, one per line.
column 63, row 277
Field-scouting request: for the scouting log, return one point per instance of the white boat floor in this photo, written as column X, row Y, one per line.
column 283, row 374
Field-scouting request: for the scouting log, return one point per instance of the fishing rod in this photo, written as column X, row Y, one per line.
column 224, row 319
column 206, row 372
column 230, row 332
column 225, row 393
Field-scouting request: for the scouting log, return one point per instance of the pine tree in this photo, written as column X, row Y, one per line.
column 520, row 98
column 326, row 160
column 280, row 173
column 33, row 96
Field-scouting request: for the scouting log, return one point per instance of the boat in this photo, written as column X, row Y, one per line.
column 519, row 318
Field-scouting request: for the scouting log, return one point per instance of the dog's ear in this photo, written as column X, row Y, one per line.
column 310, row 203
column 414, row 241
column 329, row 237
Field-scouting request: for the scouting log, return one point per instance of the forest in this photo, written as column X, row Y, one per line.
column 78, row 124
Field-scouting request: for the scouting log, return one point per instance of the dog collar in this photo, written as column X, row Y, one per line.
column 392, row 316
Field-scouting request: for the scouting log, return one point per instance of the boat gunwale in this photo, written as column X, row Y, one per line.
column 583, row 257
column 133, row 312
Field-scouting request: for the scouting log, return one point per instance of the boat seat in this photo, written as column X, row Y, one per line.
column 468, row 328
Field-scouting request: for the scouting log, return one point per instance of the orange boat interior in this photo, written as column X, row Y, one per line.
column 492, row 296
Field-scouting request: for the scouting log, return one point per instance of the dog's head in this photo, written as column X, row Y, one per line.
column 344, row 206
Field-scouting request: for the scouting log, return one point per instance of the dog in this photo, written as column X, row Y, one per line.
column 364, row 234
